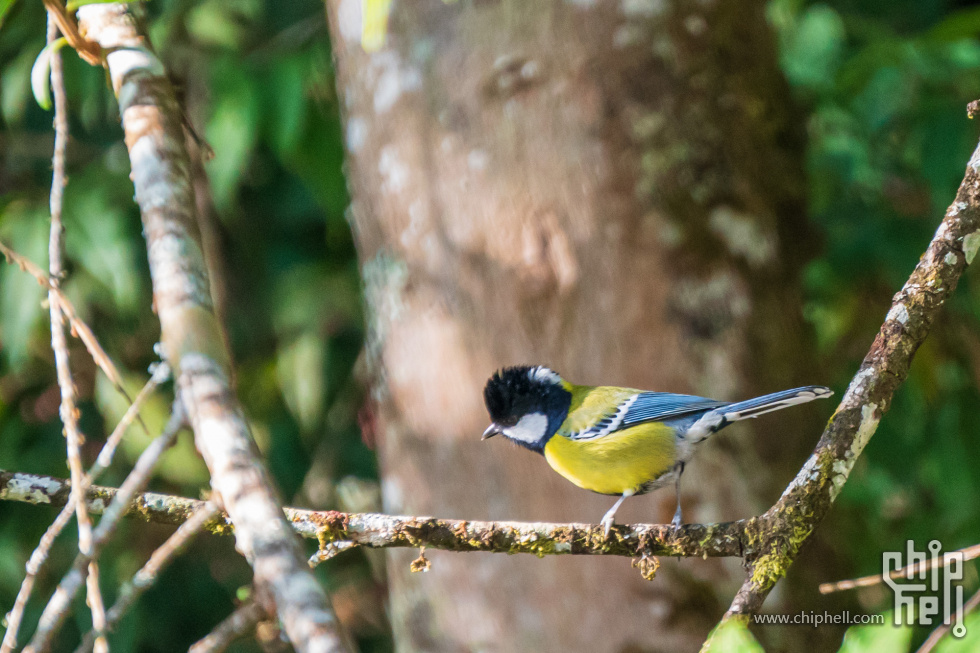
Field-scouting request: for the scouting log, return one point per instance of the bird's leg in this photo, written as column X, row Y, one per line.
column 607, row 519
column 677, row 488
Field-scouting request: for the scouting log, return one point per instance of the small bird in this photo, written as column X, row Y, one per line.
column 610, row 440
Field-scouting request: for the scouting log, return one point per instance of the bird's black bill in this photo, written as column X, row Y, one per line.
column 491, row 431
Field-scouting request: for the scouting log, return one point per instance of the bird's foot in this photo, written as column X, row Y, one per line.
column 607, row 524
column 676, row 521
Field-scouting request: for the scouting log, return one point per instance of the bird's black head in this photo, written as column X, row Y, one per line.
column 526, row 404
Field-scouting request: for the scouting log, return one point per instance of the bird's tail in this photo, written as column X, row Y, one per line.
column 775, row 401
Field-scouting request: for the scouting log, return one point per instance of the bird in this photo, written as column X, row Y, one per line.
column 612, row 440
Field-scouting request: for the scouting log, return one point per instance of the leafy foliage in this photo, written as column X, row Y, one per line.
column 257, row 79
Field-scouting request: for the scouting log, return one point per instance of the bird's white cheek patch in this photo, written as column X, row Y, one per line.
column 530, row 429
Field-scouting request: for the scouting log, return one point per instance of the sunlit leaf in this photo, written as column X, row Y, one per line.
column 877, row 637
column 731, row 636
column 41, row 73
column 5, row 6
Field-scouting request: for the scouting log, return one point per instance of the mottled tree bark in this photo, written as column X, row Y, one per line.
column 612, row 189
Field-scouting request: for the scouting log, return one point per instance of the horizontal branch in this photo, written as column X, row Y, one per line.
column 391, row 531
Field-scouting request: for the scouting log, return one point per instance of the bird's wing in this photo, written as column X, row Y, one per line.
column 658, row 406
column 639, row 407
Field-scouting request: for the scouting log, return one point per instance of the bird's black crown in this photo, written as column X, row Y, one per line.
column 514, row 392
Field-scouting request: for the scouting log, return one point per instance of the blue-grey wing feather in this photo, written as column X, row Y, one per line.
column 658, row 406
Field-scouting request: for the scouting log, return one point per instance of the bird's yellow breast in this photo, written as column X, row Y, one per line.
column 619, row 462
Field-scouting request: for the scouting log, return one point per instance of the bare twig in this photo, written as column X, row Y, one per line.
column 190, row 335
column 969, row 553
column 87, row 50
column 238, row 624
column 34, row 563
column 78, row 326
column 149, row 573
column 59, row 344
column 937, row 635
column 57, row 609
column 160, row 374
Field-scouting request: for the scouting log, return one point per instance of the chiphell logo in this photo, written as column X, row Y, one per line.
column 919, row 602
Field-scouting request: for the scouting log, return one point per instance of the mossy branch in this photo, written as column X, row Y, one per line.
column 392, row 531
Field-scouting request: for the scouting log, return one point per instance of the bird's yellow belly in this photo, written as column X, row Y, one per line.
column 620, row 462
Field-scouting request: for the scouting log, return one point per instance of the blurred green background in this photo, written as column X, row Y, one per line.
column 883, row 86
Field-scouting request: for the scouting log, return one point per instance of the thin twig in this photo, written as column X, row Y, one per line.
column 59, row 343
column 940, row 632
column 969, row 553
column 78, row 326
column 34, row 564
column 161, row 373
column 238, row 624
column 57, row 608
column 149, row 573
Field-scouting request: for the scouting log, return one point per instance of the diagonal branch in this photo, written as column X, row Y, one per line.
column 786, row 525
column 190, row 334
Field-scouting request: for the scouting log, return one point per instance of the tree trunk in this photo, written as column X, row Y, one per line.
column 614, row 189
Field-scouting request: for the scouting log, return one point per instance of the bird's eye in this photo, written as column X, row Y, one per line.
column 509, row 421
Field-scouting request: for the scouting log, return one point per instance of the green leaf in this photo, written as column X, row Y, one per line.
column 969, row 642
column 5, row 6
column 41, row 73
column 731, row 636
column 813, row 50
column 877, row 637
column 75, row 4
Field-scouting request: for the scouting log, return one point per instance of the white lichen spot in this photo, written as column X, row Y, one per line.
column 394, row 173
column 356, row 133
column 971, row 243
column 899, row 314
column 643, row 8
column 950, row 258
column 869, row 424
column 955, row 209
column 627, row 35
column 857, row 388
column 695, row 25
column 807, row 474
column 349, row 20
column 975, row 160
column 478, row 160
column 530, row 70
column 392, row 79
column 563, row 547
column 742, row 235
column 32, row 489
column 841, row 469
column 97, row 505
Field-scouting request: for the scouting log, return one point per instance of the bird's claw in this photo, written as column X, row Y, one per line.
column 676, row 521
column 607, row 524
